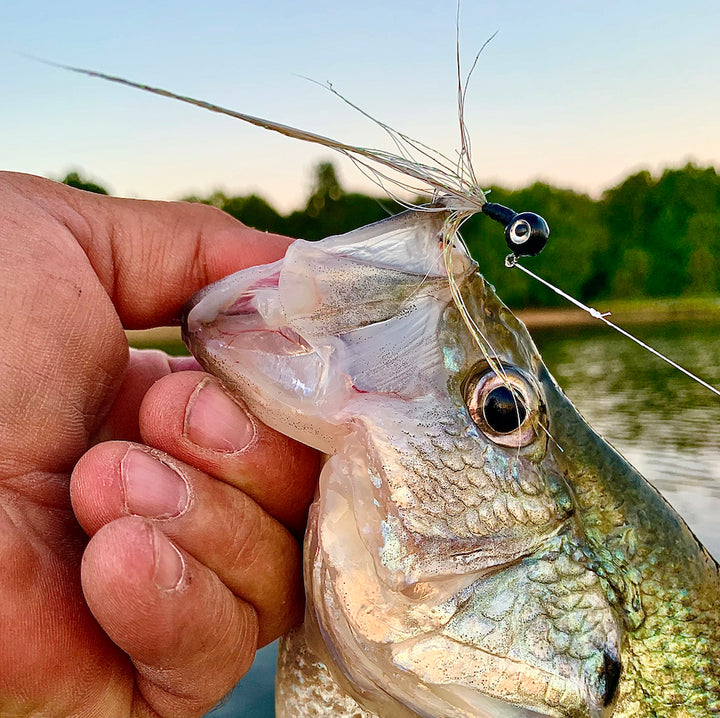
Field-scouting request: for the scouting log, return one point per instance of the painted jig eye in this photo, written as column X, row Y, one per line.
column 527, row 234
column 502, row 406
column 519, row 232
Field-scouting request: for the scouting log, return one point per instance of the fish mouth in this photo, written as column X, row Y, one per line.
column 236, row 328
column 229, row 312
column 301, row 338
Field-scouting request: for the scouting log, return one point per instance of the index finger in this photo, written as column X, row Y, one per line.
column 190, row 416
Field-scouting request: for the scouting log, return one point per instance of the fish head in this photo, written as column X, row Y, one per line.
column 445, row 571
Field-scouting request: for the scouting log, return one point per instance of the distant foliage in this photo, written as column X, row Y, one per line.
column 73, row 179
column 646, row 237
column 674, row 222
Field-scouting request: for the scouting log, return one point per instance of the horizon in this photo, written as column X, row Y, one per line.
column 577, row 97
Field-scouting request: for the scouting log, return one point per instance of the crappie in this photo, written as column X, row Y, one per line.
column 474, row 548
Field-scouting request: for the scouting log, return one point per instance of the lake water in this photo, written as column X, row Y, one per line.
column 664, row 423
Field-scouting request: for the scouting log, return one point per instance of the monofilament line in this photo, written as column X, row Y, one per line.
column 511, row 261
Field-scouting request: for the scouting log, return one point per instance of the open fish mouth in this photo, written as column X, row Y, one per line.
column 311, row 325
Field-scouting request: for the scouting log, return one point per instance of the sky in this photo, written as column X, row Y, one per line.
column 576, row 93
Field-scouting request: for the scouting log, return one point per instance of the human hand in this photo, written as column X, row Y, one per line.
column 192, row 563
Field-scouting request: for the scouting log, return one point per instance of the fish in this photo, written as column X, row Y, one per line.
column 474, row 547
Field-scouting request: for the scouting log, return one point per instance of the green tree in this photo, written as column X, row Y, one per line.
column 327, row 189
column 74, row 179
column 703, row 238
column 682, row 195
column 631, row 275
column 654, row 216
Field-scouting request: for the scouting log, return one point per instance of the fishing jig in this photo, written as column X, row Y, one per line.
column 526, row 233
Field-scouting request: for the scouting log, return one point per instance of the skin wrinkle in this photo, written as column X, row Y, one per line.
column 20, row 555
column 158, row 678
column 200, row 260
column 241, row 541
column 125, row 254
column 49, row 526
column 80, row 230
column 107, row 386
column 112, row 286
column 197, row 260
column 92, row 226
column 79, row 224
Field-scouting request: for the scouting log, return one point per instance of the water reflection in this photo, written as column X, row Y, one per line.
column 662, row 422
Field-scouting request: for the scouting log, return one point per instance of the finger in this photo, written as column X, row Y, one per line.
column 151, row 256
column 183, row 363
column 190, row 416
column 225, row 530
column 144, row 368
column 170, row 614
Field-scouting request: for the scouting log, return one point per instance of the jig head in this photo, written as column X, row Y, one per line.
column 526, row 233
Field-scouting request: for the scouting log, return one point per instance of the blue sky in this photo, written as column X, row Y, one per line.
column 577, row 93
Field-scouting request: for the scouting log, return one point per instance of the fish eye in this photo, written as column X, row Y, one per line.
column 503, row 410
column 502, row 405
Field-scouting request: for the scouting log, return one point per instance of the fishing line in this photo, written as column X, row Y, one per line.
column 512, row 261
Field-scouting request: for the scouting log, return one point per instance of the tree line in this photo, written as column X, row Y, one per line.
column 649, row 236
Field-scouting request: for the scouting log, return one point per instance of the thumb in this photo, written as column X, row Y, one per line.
column 151, row 256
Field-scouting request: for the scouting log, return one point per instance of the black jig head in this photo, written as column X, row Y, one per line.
column 526, row 233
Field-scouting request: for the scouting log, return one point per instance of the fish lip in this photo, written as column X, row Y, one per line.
column 187, row 307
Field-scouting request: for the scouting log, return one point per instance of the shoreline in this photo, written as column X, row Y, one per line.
column 626, row 312
column 622, row 312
